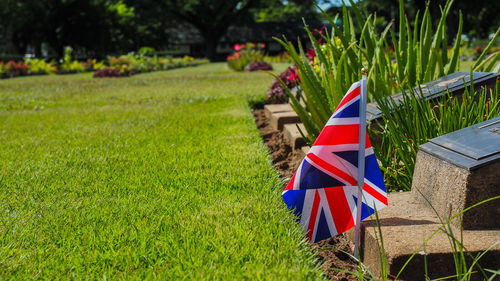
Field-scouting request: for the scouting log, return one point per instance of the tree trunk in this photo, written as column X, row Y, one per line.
column 211, row 38
column 10, row 46
column 37, row 49
column 211, row 48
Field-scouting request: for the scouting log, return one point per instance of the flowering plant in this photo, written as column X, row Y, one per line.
column 13, row 69
column 277, row 94
column 258, row 65
column 107, row 72
column 92, row 65
column 245, row 54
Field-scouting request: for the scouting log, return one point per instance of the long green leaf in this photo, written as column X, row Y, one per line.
column 452, row 66
column 486, row 50
column 402, row 35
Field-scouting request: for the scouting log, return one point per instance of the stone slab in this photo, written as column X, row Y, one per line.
column 278, row 120
column 434, row 89
column 305, row 149
column 292, row 134
column 276, row 108
column 469, row 148
column 405, row 224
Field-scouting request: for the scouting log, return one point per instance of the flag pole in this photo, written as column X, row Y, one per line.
column 361, row 158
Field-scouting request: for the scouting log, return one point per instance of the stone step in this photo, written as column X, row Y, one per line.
column 305, row 149
column 405, row 224
column 279, row 119
column 276, row 108
column 293, row 136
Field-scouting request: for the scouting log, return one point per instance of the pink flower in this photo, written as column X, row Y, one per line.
column 293, row 75
column 237, row 47
column 254, row 45
column 262, row 45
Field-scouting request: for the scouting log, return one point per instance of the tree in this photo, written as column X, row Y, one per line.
column 97, row 26
column 17, row 20
column 210, row 17
column 151, row 24
column 285, row 11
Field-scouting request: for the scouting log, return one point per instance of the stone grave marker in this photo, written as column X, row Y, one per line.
column 434, row 89
column 460, row 169
column 292, row 134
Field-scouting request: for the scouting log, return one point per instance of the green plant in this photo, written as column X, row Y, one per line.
column 131, row 64
column 328, row 69
column 280, row 58
column 414, row 121
column 488, row 62
column 2, row 69
column 68, row 65
column 146, row 51
column 40, row 66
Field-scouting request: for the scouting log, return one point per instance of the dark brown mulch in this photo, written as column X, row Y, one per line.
column 330, row 251
column 286, row 160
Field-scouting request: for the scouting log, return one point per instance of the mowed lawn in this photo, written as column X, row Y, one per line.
column 155, row 176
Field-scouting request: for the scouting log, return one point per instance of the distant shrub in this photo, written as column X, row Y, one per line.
column 39, row 66
column 280, row 58
column 108, row 72
column 92, row 65
column 258, row 65
column 131, row 64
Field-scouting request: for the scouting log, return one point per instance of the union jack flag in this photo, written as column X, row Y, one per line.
column 323, row 192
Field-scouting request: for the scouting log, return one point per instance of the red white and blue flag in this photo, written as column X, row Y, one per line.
column 323, row 192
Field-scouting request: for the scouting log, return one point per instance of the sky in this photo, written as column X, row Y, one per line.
column 336, row 3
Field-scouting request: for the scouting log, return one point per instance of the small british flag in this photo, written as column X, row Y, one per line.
column 323, row 192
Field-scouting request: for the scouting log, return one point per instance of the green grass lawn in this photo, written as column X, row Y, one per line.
column 156, row 176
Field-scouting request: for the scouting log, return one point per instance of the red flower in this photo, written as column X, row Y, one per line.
column 320, row 32
column 262, row 45
column 293, row 75
column 311, row 53
column 237, row 47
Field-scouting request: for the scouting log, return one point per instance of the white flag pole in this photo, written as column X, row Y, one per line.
column 361, row 158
